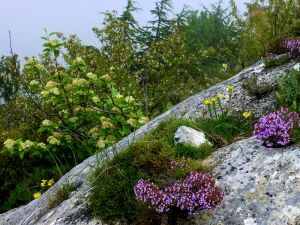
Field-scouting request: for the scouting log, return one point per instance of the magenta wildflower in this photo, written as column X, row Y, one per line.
column 275, row 128
column 293, row 45
column 196, row 192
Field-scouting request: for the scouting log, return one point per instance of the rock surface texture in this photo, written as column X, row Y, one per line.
column 189, row 136
column 262, row 186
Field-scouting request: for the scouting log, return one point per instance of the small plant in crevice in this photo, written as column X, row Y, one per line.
column 278, row 129
column 274, row 62
column 258, row 88
column 61, row 195
column 227, row 128
column 196, row 192
column 288, row 94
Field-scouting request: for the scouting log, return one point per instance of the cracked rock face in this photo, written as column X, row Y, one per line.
column 262, row 186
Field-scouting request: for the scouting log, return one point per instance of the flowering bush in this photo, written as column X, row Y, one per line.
column 78, row 108
column 293, row 45
column 276, row 128
column 196, row 192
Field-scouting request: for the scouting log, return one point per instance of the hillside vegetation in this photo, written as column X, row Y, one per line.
column 74, row 100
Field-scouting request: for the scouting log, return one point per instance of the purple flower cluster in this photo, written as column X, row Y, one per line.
column 275, row 128
column 149, row 193
column 197, row 191
column 293, row 45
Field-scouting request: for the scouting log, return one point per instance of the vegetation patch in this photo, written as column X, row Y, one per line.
column 274, row 62
column 156, row 158
column 288, row 94
column 258, row 88
column 61, row 195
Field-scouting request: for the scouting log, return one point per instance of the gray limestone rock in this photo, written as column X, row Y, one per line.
column 262, row 186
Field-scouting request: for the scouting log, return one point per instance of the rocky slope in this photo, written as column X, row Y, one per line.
column 262, row 186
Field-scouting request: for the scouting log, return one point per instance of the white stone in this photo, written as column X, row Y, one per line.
column 297, row 67
column 187, row 135
column 250, row 221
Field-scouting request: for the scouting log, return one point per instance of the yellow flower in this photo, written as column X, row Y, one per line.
column 129, row 99
column 79, row 60
column 39, row 66
column 26, row 144
column 131, row 121
column 95, row 99
column 9, row 143
column 51, row 84
column 34, row 83
column 101, row 143
column 50, row 182
column 213, row 100
column 73, row 119
column 218, row 96
column 42, row 145
column 45, row 93
column 144, row 120
column 230, row 88
column 207, row 101
column 106, row 123
column 53, row 42
column 52, row 140
column 54, row 91
column 80, row 82
column 246, row 114
column 43, row 183
column 106, row 77
column 224, row 65
column 94, row 130
column 92, row 76
column 37, row 195
column 46, row 122
column 78, row 109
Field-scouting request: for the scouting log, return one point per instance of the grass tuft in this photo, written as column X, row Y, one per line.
column 60, row 195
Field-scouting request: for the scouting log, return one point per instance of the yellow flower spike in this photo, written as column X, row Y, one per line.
column 207, row 101
column 230, row 88
column 43, row 183
column 51, row 182
column 37, row 195
column 247, row 115
column 213, row 100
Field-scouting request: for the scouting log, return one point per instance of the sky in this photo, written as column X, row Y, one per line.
column 27, row 19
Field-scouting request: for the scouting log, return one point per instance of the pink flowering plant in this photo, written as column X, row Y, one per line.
column 277, row 129
column 196, row 192
column 293, row 45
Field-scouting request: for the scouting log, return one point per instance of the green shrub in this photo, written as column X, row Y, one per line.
column 288, row 94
